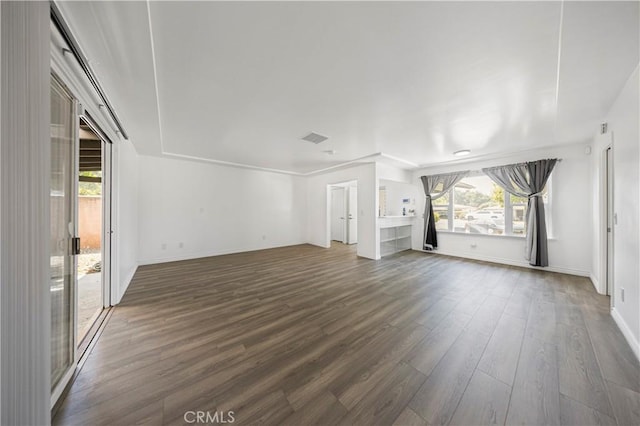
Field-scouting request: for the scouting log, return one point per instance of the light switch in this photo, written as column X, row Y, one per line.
column 615, row 218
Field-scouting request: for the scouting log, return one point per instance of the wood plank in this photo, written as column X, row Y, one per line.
column 535, row 399
column 519, row 303
column 383, row 405
column 541, row 323
column 428, row 353
column 573, row 413
column 500, row 359
column 486, row 318
column 626, row 404
column 579, row 373
column 617, row 361
column 325, row 409
column 408, row 417
column 438, row 398
column 484, row 402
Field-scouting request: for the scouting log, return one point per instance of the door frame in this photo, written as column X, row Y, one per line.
column 107, row 209
column 350, row 211
column 609, row 224
column 345, row 228
column 91, row 114
column 57, row 391
column 345, row 185
column 106, row 230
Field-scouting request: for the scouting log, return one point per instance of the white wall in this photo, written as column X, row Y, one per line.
column 125, row 227
column 623, row 119
column 212, row 209
column 388, row 172
column 398, row 191
column 569, row 246
column 318, row 220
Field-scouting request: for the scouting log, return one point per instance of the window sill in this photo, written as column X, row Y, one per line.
column 468, row 234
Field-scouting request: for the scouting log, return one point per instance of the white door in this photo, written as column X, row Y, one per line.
column 352, row 215
column 338, row 213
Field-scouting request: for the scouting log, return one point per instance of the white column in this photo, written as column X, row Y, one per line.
column 24, row 213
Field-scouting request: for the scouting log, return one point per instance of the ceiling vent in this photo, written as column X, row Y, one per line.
column 314, row 138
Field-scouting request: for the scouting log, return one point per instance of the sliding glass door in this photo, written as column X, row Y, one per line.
column 93, row 229
column 80, row 232
column 63, row 243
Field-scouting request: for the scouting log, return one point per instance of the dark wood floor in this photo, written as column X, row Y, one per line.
column 303, row 335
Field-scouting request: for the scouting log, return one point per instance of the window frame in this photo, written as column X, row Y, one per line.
column 507, row 211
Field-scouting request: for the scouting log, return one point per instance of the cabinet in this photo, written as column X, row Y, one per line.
column 395, row 234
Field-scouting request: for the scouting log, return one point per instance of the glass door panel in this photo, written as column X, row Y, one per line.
column 62, row 261
column 91, row 232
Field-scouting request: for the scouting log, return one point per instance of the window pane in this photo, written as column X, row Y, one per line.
column 478, row 206
column 441, row 212
column 519, row 206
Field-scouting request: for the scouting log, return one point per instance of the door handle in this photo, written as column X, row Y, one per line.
column 75, row 246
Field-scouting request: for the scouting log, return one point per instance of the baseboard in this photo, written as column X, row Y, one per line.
column 124, row 284
column 626, row 332
column 596, row 284
column 510, row 262
column 199, row 255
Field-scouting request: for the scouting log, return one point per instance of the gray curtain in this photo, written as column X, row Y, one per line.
column 435, row 186
column 528, row 180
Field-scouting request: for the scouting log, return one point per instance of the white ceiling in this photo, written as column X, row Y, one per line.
column 243, row 82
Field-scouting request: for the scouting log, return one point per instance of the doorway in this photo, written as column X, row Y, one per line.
column 93, row 203
column 80, row 232
column 343, row 210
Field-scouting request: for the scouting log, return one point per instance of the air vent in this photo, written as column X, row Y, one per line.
column 314, row 138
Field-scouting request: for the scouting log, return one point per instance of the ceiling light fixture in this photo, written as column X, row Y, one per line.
column 462, row 152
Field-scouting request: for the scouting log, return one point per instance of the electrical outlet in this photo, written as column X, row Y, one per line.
column 163, row 246
column 622, row 294
column 181, row 245
column 474, row 245
column 264, row 237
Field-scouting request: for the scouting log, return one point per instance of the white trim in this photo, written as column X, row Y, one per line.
column 229, row 164
column 558, row 269
column 595, row 282
column 125, row 283
column 398, row 159
column 155, row 76
column 501, row 236
column 560, row 26
column 626, row 332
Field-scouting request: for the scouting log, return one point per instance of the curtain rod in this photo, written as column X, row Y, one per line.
column 67, row 35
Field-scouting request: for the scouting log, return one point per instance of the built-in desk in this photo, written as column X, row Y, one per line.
column 395, row 233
